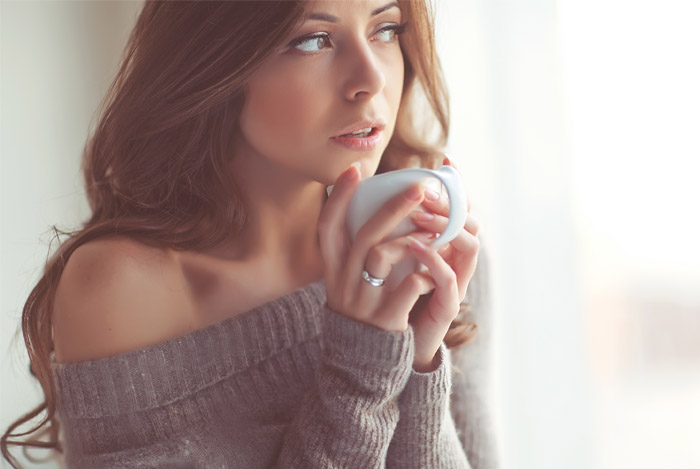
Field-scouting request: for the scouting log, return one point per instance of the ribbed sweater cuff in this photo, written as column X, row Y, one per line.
column 425, row 435
column 374, row 359
column 425, row 390
column 358, row 343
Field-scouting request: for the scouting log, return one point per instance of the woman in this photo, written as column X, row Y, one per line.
column 212, row 313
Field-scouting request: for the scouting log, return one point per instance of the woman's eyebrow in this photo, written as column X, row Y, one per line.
column 333, row 19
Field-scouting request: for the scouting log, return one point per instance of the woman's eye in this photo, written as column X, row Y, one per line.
column 309, row 43
column 318, row 41
column 392, row 31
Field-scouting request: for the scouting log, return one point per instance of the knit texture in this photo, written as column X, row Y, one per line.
column 288, row 384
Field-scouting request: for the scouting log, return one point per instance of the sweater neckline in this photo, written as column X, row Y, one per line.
column 312, row 294
column 167, row 371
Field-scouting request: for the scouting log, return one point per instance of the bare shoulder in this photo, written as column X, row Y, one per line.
column 115, row 295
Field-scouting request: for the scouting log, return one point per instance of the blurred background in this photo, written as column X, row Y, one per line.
column 576, row 126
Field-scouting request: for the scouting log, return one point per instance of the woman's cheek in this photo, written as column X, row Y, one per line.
column 396, row 72
column 289, row 108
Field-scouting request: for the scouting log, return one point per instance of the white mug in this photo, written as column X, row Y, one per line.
column 373, row 192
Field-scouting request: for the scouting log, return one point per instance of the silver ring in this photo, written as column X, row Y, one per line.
column 374, row 281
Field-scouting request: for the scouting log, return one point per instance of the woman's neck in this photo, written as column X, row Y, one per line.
column 280, row 235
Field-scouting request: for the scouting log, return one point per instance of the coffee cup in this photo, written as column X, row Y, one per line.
column 373, row 192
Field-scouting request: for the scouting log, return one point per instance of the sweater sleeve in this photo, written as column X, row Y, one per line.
column 349, row 418
column 446, row 413
column 471, row 403
column 426, row 435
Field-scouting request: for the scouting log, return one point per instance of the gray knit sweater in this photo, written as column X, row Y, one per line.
column 288, row 384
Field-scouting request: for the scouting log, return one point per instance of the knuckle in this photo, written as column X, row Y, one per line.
column 415, row 279
column 473, row 243
column 414, row 282
column 451, row 278
column 377, row 254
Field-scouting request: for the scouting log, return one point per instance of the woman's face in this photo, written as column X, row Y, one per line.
column 343, row 66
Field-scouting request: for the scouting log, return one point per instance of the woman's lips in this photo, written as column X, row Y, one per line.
column 367, row 143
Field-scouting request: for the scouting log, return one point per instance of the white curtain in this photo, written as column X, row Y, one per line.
column 509, row 132
column 57, row 60
column 576, row 124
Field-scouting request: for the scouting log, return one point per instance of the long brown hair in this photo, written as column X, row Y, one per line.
column 154, row 164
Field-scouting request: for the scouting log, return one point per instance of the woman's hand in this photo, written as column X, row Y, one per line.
column 348, row 293
column 451, row 267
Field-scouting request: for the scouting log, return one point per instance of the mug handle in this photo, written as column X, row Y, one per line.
column 452, row 181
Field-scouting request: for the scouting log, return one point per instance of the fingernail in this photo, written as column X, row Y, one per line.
column 415, row 193
column 350, row 175
column 358, row 165
column 420, row 215
column 431, row 194
column 415, row 244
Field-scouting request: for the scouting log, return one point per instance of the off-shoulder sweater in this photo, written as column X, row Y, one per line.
column 288, row 384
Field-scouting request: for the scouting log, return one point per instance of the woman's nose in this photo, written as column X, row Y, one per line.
column 364, row 76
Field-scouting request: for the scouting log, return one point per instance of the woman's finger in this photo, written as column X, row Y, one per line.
column 407, row 293
column 438, row 223
column 435, row 202
column 382, row 257
column 445, row 296
column 375, row 230
column 331, row 224
column 460, row 253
